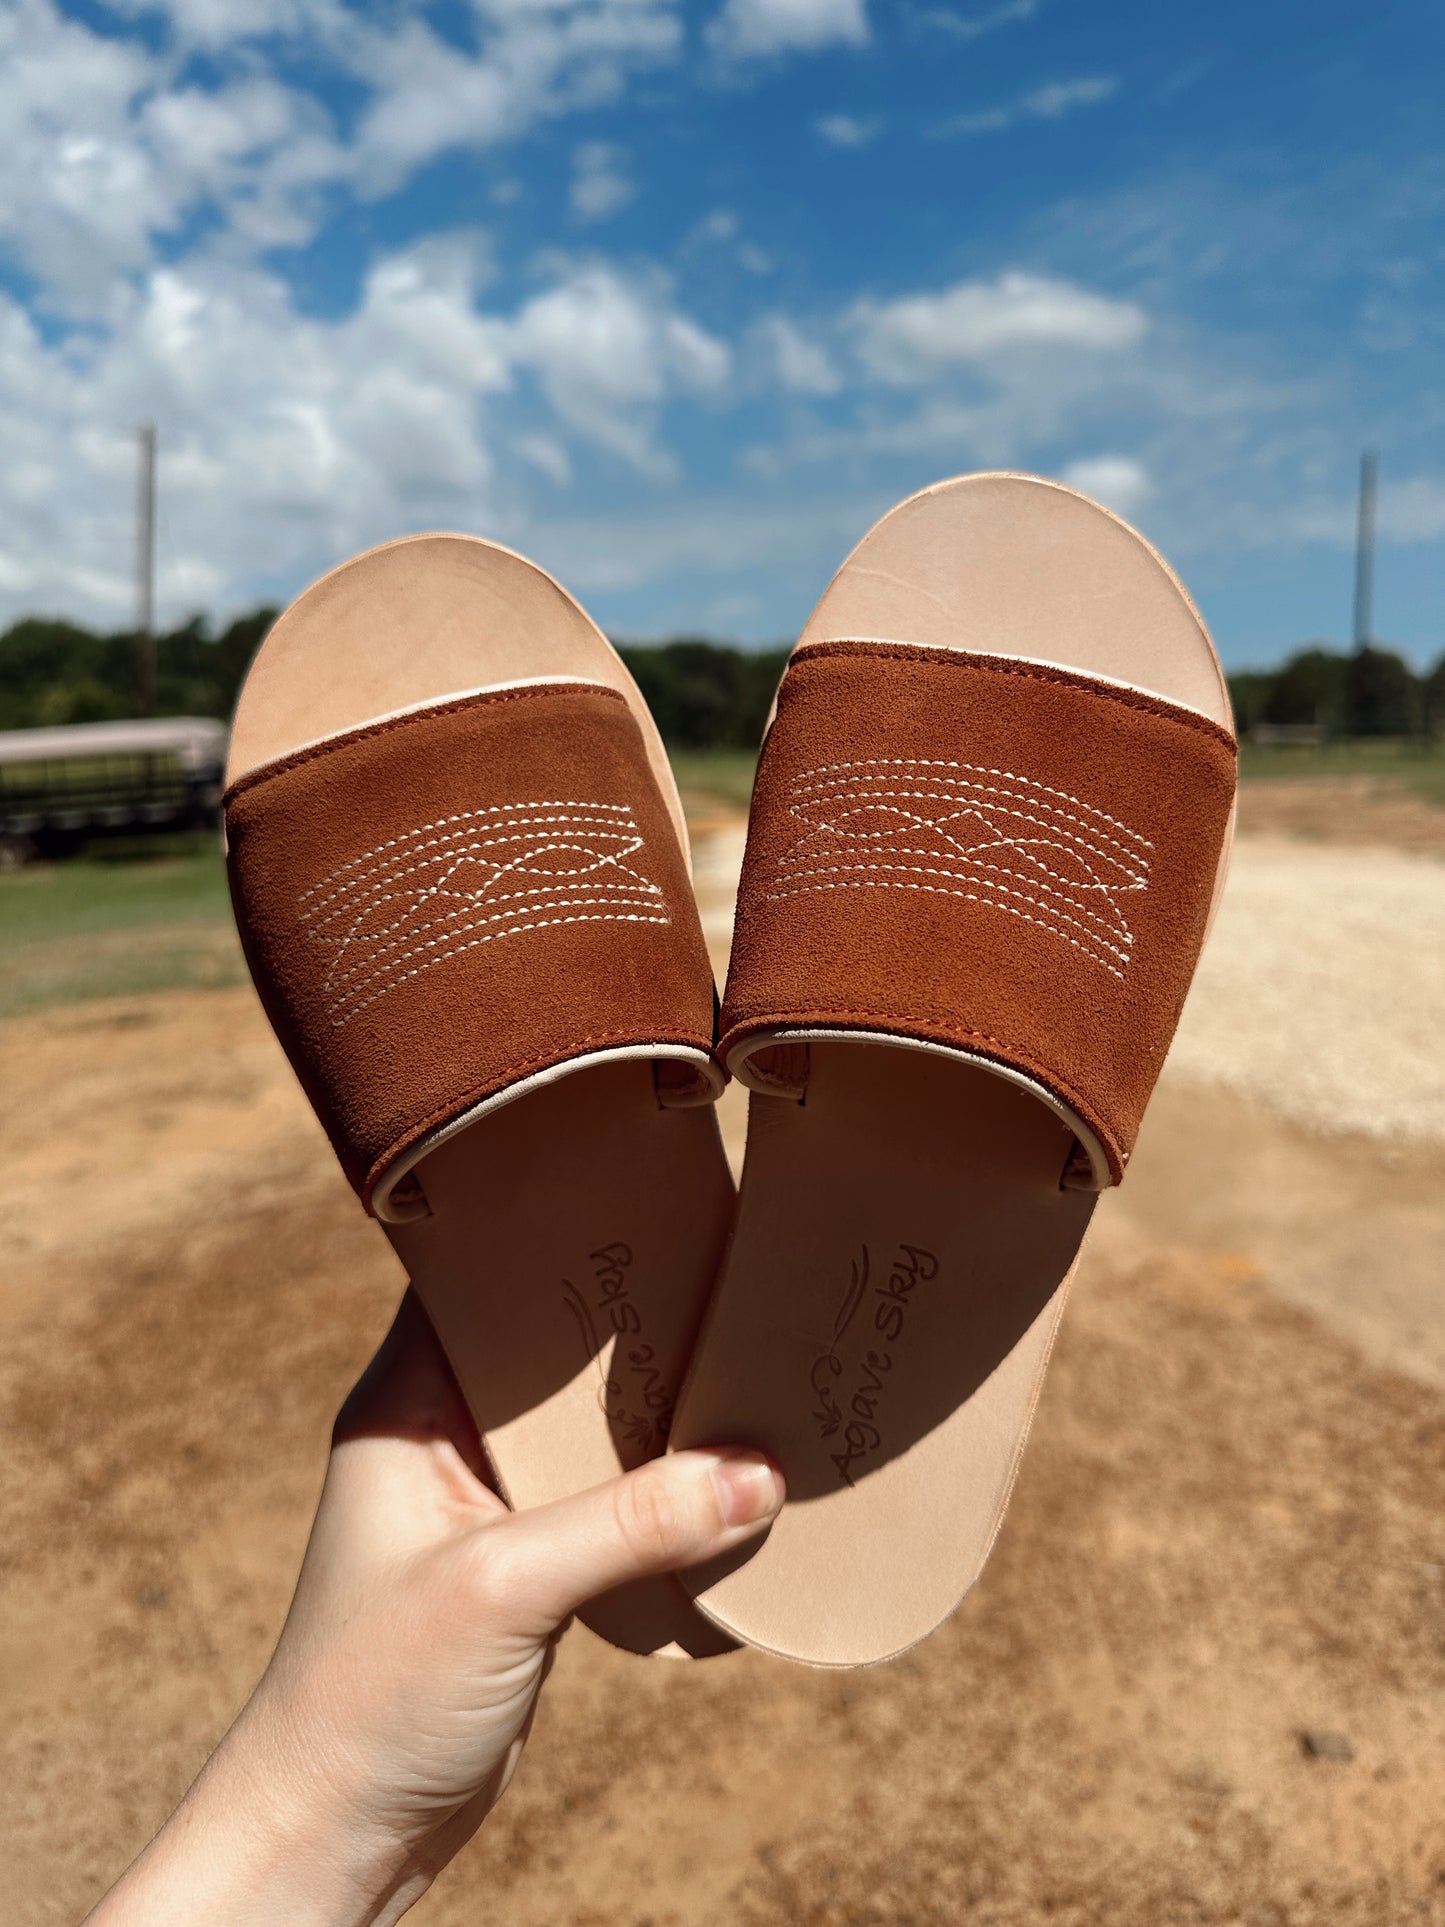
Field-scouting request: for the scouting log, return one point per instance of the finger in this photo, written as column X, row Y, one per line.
column 410, row 1391
column 672, row 1512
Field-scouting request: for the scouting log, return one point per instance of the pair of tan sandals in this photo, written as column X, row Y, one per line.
column 991, row 821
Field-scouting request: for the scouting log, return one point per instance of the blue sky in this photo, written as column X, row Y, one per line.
column 678, row 298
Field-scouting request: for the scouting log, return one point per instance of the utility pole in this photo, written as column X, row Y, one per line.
column 145, row 569
column 1365, row 551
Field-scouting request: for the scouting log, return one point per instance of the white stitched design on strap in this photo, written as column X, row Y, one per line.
column 429, row 894
column 988, row 836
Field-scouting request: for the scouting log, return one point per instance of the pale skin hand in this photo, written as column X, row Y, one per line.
column 402, row 1690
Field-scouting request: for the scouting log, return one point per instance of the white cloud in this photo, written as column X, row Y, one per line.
column 1050, row 102
column 547, row 455
column 216, row 24
column 991, row 120
column 103, row 153
column 719, row 228
column 419, row 308
column 796, row 362
column 78, row 199
column 914, row 338
column 599, row 186
column 264, row 152
column 845, row 130
column 607, row 352
column 1409, row 511
column 291, row 437
column 429, row 97
column 1413, row 510
column 288, row 441
column 538, row 59
column 1118, row 481
column 973, row 26
column 204, row 135
column 748, row 28
column 108, row 149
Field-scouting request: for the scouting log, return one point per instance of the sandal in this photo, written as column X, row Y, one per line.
column 460, row 872
column 990, row 822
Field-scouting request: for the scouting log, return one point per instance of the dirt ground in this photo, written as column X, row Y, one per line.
column 1363, row 811
column 1227, row 1545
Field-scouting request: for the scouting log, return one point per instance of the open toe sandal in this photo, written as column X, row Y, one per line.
column 460, row 873
column 991, row 820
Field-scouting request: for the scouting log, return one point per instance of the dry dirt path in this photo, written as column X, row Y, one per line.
column 1228, row 1531
column 1322, row 991
column 1300, row 1123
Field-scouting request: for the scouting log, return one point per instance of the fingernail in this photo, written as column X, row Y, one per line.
column 749, row 1489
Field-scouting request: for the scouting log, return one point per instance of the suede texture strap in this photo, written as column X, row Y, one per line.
column 441, row 904
column 1012, row 860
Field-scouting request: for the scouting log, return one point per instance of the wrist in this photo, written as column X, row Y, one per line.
column 263, row 1836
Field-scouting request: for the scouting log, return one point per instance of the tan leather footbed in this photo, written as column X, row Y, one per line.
column 903, row 1246
column 574, row 1233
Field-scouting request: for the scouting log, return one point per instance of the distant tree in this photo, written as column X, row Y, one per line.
column 1432, row 700
column 1310, row 688
column 235, row 649
column 57, row 672
column 706, row 695
column 1249, row 694
column 199, row 676
column 185, row 685
column 1382, row 697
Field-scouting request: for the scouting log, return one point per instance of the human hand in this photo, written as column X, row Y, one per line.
column 402, row 1689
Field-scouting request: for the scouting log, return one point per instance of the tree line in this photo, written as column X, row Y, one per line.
column 1368, row 692
column 705, row 695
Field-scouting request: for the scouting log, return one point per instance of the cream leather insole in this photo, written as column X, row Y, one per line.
column 574, row 1233
column 903, row 1247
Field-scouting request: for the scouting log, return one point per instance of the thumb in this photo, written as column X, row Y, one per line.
column 672, row 1512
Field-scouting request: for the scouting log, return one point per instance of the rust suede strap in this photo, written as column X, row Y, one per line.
column 1007, row 859
column 440, row 905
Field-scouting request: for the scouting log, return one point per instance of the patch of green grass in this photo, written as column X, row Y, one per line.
column 1416, row 766
column 120, row 963
column 116, row 924
column 715, row 775
column 726, row 775
column 47, row 901
column 125, row 920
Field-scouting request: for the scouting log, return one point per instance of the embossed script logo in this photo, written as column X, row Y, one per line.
column 850, row 1379
column 427, row 896
column 986, row 836
column 634, row 1394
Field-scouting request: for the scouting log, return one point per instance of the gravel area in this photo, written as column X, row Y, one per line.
column 1321, row 993
column 1322, row 990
